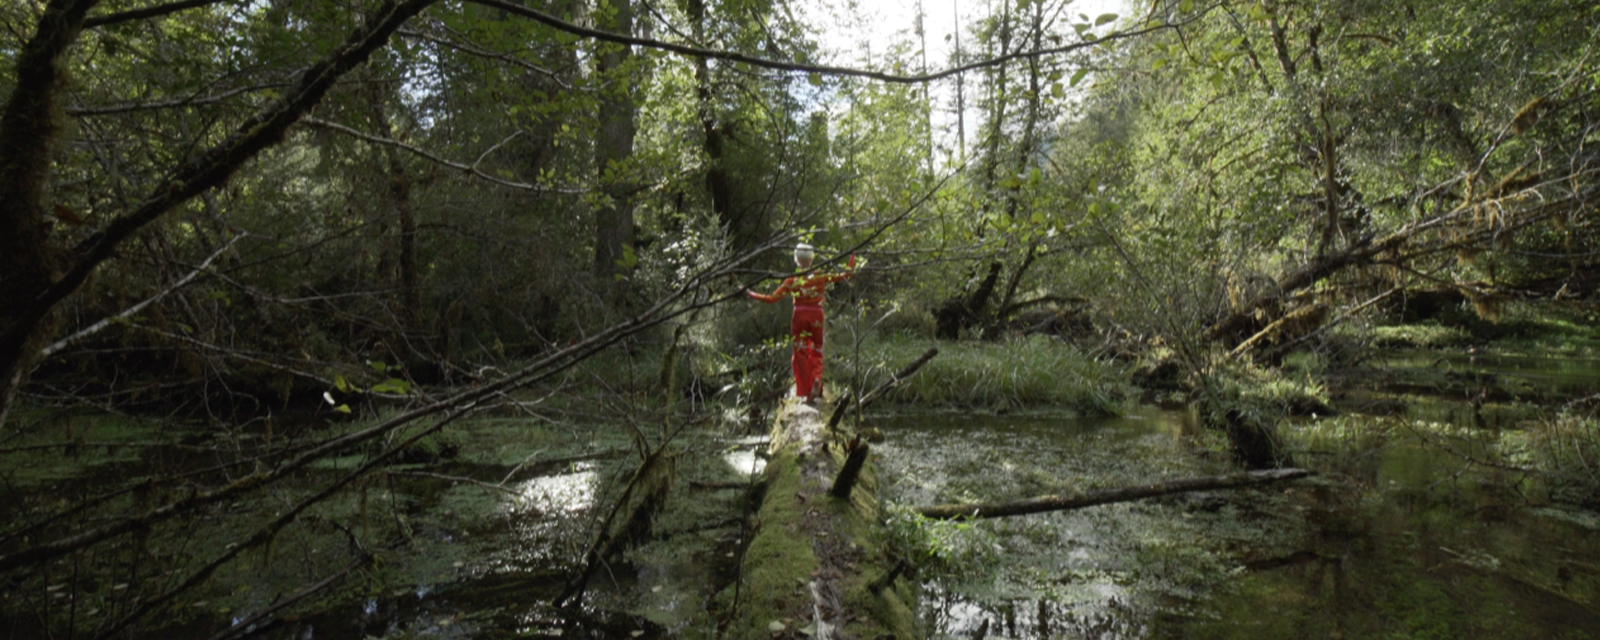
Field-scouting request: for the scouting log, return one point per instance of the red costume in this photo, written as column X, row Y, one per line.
column 806, row 327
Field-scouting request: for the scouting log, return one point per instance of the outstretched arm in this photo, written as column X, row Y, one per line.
column 783, row 290
column 850, row 270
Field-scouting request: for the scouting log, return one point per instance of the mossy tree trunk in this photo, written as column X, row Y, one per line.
column 29, row 128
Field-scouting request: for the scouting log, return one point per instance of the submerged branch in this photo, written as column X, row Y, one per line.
column 1069, row 502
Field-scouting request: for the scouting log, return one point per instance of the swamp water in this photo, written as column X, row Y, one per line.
column 474, row 546
column 1397, row 537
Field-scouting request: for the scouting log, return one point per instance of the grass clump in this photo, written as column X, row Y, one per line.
column 1247, row 403
column 1566, row 448
column 1028, row 372
column 1267, row 395
column 1419, row 336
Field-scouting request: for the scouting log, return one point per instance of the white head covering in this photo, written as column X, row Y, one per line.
column 804, row 250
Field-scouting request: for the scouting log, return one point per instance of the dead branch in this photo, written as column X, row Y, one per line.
column 250, row 621
column 130, row 311
column 850, row 472
column 467, row 169
column 1069, row 502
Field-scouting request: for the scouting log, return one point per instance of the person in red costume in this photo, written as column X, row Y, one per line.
column 806, row 327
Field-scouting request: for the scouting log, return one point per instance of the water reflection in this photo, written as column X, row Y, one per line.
column 1394, row 539
column 745, row 462
column 571, row 492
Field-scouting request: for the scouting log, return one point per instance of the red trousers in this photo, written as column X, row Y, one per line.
column 806, row 328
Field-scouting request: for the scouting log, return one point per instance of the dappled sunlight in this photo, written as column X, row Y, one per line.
column 744, row 455
column 745, row 462
column 564, row 492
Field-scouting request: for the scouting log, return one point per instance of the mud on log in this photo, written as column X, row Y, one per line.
column 1042, row 504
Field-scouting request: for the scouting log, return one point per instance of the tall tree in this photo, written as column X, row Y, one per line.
column 614, row 223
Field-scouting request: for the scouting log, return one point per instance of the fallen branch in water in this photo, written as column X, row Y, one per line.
column 1042, row 504
column 872, row 396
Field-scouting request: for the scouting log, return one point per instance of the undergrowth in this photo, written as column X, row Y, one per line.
column 1028, row 372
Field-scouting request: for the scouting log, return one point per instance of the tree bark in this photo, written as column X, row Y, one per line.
column 718, row 185
column 1068, row 502
column 29, row 127
column 397, row 192
column 614, row 219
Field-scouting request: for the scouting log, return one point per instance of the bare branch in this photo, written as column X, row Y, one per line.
column 97, row 327
column 245, row 624
column 485, row 53
column 155, row 11
column 216, row 164
column 129, row 107
column 716, row 54
column 472, row 170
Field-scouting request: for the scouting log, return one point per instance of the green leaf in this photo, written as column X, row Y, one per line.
column 341, row 384
column 1158, row 63
column 1104, row 18
column 343, row 408
column 378, row 365
column 815, row 79
column 1078, row 77
column 1058, row 91
column 392, row 385
column 629, row 258
column 1186, row 6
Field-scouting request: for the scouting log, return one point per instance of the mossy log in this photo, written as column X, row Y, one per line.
column 1107, row 496
column 808, row 570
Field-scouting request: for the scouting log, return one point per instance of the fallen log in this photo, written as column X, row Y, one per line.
column 1068, row 502
column 809, row 561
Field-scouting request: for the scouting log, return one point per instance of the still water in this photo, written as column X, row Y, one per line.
column 1395, row 539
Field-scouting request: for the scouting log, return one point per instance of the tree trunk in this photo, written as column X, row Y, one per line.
column 397, row 196
column 964, row 309
column 718, row 184
column 614, row 220
column 29, row 127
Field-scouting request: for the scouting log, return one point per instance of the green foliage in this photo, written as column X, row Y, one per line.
column 1426, row 336
column 1031, row 372
column 952, row 549
column 1260, row 396
column 1566, row 446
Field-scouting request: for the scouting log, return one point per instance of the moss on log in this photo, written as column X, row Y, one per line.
column 810, row 564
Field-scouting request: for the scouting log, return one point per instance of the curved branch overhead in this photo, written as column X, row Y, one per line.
column 827, row 70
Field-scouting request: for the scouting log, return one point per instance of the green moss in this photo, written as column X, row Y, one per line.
column 1424, row 336
column 101, row 441
column 782, row 556
column 779, row 557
